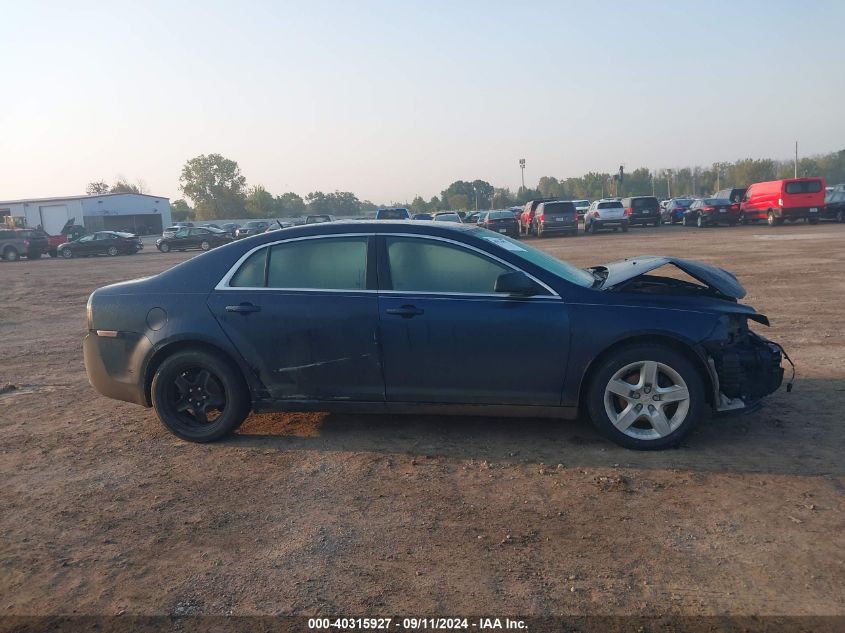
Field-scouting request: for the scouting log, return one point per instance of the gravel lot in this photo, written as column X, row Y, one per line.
column 104, row 512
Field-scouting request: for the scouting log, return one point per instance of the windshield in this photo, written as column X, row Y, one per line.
column 540, row 258
column 447, row 217
column 254, row 225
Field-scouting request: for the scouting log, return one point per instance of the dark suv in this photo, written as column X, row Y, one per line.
column 735, row 195
column 642, row 210
column 555, row 217
column 17, row 243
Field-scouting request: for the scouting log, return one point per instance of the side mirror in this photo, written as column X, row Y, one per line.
column 516, row 283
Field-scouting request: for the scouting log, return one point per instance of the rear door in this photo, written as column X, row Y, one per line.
column 304, row 315
column 446, row 337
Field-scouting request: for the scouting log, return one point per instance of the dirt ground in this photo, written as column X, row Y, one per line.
column 103, row 512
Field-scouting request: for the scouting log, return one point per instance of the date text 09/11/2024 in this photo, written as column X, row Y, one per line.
column 424, row 623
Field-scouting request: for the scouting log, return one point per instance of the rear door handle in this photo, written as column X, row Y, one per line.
column 244, row 308
column 406, row 311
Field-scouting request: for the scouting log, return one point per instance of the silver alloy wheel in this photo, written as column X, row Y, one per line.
column 653, row 406
column 67, row 253
column 205, row 245
column 112, row 251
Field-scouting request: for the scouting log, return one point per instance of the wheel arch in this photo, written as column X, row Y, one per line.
column 683, row 347
column 173, row 347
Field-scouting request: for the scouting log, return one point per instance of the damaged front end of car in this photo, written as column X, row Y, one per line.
column 744, row 366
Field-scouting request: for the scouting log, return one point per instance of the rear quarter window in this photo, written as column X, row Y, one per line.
column 805, row 186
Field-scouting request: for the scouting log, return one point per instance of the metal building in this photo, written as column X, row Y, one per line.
column 133, row 212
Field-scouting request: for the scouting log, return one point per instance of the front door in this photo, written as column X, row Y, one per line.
column 447, row 337
column 301, row 313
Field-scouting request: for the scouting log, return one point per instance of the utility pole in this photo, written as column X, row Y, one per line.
column 522, row 170
column 796, row 159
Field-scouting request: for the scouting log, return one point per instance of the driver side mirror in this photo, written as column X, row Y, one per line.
column 516, row 283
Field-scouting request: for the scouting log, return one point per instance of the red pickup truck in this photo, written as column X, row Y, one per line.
column 69, row 232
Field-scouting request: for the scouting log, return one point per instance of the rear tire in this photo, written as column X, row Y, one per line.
column 641, row 415
column 112, row 251
column 684, row 221
column 164, row 247
column 199, row 396
column 205, row 245
column 699, row 221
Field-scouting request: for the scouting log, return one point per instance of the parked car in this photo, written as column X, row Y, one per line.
column 674, row 210
column 710, row 212
column 526, row 218
column 606, row 214
column 201, row 237
column 16, row 243
column 230, row 227
column 778, row 200
column 447, row 216
column 319, row 218
column 102, row 243
column 70, row 231
column 581, row 207
column 500, row 222
column 555, row 217
column 211, row 225
column 422, row 216
column 834, row 206
column 253, row 227
column 170, row 230
column 277, row 225
column 645, row 376
column 643, row 210
column 734, row 194
column 472, row 218
column 397, row 213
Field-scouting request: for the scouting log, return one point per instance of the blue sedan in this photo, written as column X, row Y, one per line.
column 424, row 317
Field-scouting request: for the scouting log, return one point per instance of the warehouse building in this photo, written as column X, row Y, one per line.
column 133, row 212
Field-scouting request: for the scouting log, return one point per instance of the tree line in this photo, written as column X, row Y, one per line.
column 216, row 188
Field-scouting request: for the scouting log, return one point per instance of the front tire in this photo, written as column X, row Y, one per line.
column 699, row 221
column 646, row 397
column 199, row 396
column 112, row 251
column 67, row 253
column 164, row 248
column 205, row 245
column 11, row 255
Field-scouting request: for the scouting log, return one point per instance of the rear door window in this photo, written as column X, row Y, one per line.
column 336, row 263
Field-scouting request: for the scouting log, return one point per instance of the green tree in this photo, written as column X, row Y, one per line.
column 418, row 205
column 180, row 211
column 259, row 203
column 97, row 187
column 289, row 205
column 215, row 185
column 458, row 201
column 124, row 186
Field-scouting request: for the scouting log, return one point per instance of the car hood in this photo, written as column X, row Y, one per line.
column 716, row 278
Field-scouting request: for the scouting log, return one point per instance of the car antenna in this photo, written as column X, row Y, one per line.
column 279, row 223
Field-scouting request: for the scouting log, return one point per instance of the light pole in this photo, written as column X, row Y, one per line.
column 522, row 171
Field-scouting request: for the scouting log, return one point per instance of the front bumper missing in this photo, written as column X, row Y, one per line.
column 744, row 373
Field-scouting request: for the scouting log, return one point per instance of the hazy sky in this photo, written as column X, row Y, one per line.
column 396, row 98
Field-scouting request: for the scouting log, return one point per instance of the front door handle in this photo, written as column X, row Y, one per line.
column 406, row 311
column 244, row 308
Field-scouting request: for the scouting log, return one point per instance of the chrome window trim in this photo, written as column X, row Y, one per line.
column 223, row 284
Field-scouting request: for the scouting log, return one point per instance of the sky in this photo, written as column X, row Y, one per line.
column 392, row 99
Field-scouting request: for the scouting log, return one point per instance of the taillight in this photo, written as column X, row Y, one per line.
column 708, row 208
column 629, row 212
column 541, row 218
column 597, row 215
column 780, row 202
